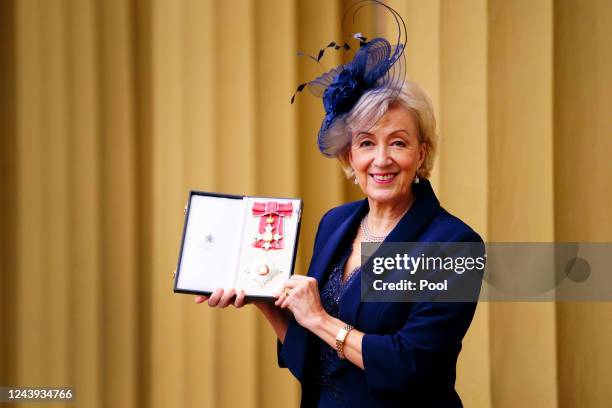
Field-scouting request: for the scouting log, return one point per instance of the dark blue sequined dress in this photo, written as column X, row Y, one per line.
column 331, row 292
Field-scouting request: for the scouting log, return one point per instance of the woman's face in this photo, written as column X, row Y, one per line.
column 386, row 157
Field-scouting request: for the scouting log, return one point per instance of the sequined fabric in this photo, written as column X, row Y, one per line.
column 331, row 293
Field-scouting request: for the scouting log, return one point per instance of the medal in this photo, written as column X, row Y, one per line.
column 271, row 215
column 269, row 236
column 262, row 270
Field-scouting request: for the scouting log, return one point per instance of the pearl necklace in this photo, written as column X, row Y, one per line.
column 367, row 235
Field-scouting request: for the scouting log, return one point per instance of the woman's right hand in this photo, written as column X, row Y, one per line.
column 221, row 298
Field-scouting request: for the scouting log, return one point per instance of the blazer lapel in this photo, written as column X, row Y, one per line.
column 321, row 262
column 418, row 217
column 298, row 337
column 408, row 229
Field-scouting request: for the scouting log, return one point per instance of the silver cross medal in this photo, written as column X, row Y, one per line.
column 268, row 237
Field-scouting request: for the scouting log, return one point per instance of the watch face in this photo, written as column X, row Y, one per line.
column 341, row 335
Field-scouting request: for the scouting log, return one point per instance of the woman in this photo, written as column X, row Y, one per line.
column 343, row 351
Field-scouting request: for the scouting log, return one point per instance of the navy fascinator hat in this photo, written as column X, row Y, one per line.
column 377, row 65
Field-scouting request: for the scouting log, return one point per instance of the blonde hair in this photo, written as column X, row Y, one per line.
column 370, row 108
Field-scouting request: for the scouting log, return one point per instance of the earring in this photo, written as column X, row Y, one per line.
column 355, row 180
column 416, row 179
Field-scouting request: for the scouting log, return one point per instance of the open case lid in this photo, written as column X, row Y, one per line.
column 236, row 241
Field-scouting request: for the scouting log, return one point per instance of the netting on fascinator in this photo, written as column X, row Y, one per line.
column 377, row 66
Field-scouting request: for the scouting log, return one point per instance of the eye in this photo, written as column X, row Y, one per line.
column 399, row 143
column 365, row 143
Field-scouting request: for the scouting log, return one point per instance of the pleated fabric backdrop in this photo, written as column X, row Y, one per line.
column 112, row 110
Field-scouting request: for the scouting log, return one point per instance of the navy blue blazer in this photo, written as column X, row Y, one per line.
column 409, row 349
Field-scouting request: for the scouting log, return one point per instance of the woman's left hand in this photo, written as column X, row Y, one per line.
column 300, row 294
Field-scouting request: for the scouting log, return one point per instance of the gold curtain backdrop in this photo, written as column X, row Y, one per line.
column 112, row 110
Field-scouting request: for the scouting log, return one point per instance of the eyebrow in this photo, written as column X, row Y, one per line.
column 390, row 134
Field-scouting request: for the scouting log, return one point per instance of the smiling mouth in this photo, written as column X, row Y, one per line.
column 383, row 178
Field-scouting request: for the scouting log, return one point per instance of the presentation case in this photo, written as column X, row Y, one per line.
column 242, row 242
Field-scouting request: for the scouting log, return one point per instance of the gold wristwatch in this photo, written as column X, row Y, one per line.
column 340, row 340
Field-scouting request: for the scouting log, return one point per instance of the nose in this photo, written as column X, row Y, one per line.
column 382, row 158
